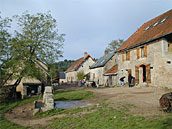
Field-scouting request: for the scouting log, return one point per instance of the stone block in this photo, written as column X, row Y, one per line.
column 48, row 89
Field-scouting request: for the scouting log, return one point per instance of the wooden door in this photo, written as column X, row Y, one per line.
column 148, row 74
column 137, row 74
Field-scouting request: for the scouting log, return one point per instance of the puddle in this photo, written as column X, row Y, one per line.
column 70, row 104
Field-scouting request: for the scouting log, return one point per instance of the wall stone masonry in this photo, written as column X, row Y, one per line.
column 48, row 99
column 158, row 57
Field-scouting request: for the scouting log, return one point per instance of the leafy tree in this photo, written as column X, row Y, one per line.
column 4, row 47
column 37, row 40
column 114, row 45
column 60, row 66
column 80, row 75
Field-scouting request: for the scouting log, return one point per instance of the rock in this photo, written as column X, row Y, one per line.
column 36, row 110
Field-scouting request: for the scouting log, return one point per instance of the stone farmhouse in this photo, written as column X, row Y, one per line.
column 147, row 54
column 102, row 72
column 81, row 65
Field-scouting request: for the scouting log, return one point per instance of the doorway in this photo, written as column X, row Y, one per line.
column 144, row 73
column 110, row 80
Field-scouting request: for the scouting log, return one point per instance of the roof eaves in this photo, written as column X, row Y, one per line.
column 142, row 43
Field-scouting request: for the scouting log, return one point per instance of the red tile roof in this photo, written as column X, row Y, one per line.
column 77, row 63
column 142, row 35
column 112, row 71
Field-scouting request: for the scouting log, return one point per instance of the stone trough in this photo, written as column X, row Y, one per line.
column 47, row 103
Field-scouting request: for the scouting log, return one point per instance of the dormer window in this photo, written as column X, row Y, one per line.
column 163, row 20
column 148, row 27
column 156, row 24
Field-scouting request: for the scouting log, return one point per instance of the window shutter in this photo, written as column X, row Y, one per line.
column 148, row 74
column 137, row 74
column 128, row 55
column 145, row 51
column 138, row 53
column 123, row 56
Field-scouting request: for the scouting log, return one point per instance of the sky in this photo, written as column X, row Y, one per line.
column 90, row 25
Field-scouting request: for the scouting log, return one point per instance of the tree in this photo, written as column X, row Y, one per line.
column 4, row 47
column 114, row 45
column 37, row 40
column 80, row 75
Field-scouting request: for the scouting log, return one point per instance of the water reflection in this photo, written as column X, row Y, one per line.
column 70, row 104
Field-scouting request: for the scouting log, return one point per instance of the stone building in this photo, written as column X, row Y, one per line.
column 81, row 65
column 111, row 76
column 62, row 77
column 147, row 54
column 102, row 65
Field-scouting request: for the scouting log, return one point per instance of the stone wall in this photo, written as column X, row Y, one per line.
column 160, row 61
column 96, row 75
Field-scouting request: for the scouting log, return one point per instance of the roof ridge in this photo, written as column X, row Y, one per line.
column 155, row 31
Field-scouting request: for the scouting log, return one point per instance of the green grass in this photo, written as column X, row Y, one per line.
column 105, row 117
column 73, row 95
column 4, row 107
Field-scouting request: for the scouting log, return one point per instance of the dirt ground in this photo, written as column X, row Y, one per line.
column 143, row 101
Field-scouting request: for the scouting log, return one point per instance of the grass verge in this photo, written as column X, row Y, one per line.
column 73, row 95
column 106, row 117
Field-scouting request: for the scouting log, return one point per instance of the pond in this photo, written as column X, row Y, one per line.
column 71, row 104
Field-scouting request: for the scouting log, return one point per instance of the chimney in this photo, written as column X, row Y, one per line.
column 85, row 54
column 105, row 53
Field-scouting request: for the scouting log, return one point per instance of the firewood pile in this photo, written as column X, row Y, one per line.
column 166, row 102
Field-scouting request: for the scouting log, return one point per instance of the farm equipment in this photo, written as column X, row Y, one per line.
column 166, row 102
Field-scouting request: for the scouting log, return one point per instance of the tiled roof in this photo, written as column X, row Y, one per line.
column 75, row 65
column 102, row 60
column 112, row 71
column 153, row 29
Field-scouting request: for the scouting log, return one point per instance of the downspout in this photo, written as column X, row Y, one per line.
column 117, row 67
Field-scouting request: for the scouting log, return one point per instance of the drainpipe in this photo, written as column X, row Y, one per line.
column 117, row 67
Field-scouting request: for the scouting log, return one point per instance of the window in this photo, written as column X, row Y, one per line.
column 128, row 55
column 156, row 24
column 163, row 20
column 148, row 27
column 142, row 51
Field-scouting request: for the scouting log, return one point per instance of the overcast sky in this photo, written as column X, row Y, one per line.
column 90, row 25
